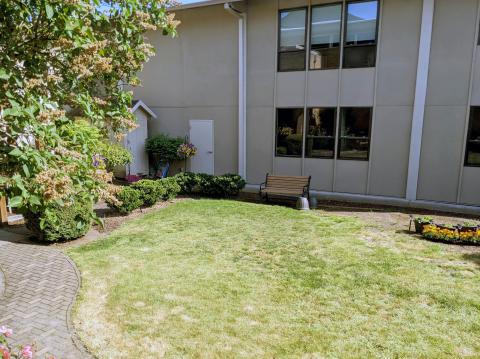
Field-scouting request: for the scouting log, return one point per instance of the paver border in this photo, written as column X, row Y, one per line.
column 71, row 328
column 3, row 283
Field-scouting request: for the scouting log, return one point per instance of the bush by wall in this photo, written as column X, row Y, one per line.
column 228, row 185
column 129, row 199
column 171, row 187
column 164, row 146
column 61, row 222
column 150, row 191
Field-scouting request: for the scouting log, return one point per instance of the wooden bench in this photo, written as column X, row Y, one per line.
column 285, row 186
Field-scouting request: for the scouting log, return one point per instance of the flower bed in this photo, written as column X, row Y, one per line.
column 459, row 234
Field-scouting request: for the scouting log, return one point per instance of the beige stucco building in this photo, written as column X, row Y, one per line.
column 376, row 100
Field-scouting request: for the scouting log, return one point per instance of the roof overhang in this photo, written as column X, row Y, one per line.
column 139, row 104
column 202, row 4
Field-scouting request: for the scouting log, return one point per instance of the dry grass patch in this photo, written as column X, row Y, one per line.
column 225, row 279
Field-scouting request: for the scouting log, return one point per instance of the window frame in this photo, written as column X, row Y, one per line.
column 279, row 28
column 345, row 29
column 302, row 152
column 307, row 122
column 470, row 126
column 339, row 138
column 340, row 46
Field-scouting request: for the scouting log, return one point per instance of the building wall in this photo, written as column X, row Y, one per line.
column 390, row 87
column 447, row 108
column 195, row 76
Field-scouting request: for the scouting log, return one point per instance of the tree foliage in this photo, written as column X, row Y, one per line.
column 61, row 59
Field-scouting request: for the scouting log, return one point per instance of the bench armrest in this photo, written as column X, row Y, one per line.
column 262, row 185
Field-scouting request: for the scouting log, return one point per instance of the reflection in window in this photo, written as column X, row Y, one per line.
column 291, row 56
column 472, row 157
column 361, row 34
column 289, row 132
column 320, row 139
column 325, row 37
column 355, row 133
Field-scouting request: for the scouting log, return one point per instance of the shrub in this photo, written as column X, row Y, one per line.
column 228, row 185
column 165, row 147
column 129, row 200
column 187, row 182
column 171, row 187
column 151, row 191
column 114, row 155
column 65, row 222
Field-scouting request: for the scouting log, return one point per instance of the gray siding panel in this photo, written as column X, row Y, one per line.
column 441, row 156
column 351, row 177
column 389, row 151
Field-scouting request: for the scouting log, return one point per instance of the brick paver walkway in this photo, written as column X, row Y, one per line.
column 40, row 285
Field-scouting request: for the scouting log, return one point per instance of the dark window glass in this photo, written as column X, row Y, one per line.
column 326, row 24
column 289, row 132
column 472, row 157
column 355, row 133
column 320, row 139
column 361, row 34
column 291, row 49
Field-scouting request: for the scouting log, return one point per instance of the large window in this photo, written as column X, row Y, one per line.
column 292, row 38
column 320, row 139
column 360, row 45
column 326, row 25
column 472, row 157
column 354, row 141
column 289, row 132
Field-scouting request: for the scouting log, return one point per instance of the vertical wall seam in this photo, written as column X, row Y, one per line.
column 421, row 89
column 305, row 90
column 339, row 92
column 469, row 104
column 274, row 170
column 375, row 85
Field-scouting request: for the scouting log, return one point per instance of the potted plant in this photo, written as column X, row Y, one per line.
column 467, row 227
column 186, row 150
column 421, row 222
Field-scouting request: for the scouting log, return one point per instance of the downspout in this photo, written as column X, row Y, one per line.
column 242, row 87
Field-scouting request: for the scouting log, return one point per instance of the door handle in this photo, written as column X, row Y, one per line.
column 209, row 151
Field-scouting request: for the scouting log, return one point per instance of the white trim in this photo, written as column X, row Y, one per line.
column 386, row 201
column 144, row 107
column 200, row 4
column 242, row 87
column 420, row 99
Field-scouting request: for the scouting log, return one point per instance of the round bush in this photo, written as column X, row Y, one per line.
column 151, row 191
column 130, row 199
column 61, row 222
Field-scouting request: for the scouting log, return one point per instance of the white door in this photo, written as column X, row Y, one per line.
column 201, row 136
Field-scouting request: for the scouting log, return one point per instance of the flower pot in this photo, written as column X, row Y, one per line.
column 419, row 224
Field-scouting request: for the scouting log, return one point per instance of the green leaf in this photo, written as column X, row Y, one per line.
column 15, row 201
column 15, row 152
column 26, row 170
column 35, row 200
column 3, row 180
column 49, row 11
column 4, row 75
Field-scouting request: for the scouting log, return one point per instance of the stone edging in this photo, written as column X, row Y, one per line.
column 2, row 283
column 76, row 340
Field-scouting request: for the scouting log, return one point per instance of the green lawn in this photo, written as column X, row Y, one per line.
column 225, row 279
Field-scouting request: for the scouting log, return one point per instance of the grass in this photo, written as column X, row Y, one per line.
column 224, row 279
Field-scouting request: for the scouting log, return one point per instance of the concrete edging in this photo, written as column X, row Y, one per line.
column 387, row 201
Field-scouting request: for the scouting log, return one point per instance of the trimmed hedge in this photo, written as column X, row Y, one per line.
column 130, row 199
column 150, row 191
column 73, row 221
column 228, row 185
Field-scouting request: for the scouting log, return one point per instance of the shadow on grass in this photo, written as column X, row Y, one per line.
column 473, row 257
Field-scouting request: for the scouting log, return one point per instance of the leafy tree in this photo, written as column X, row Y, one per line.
column 60, row 59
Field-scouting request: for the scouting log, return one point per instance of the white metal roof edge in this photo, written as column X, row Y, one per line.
column 201, row 4
column 144, row 107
